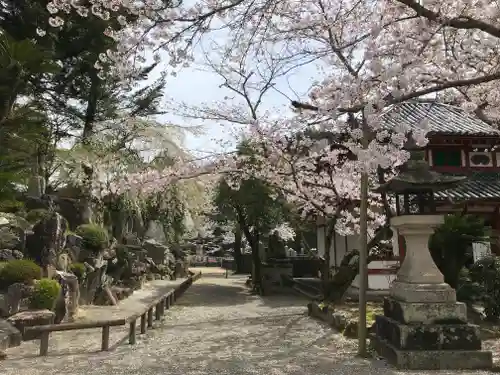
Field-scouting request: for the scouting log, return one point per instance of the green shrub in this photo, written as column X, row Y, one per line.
column 19, row 271
column 36, row 215
column 94, row 237
column 78, row 269
column 451, row 244
column 469, row 291
column 45, row 294
column 486, row 274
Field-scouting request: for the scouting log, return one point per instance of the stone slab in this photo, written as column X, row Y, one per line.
column 426, row 313
column 428, row 336
column 424, row 293
column 432, row 359
column 29, row 319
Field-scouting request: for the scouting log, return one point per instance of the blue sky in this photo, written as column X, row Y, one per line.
column 194, row 87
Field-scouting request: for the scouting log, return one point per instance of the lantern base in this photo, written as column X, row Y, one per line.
column 424, row 293
column 425, row 359
column 425, row 313
column 429, row 336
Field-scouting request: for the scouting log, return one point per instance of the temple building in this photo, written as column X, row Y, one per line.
column 459, row 144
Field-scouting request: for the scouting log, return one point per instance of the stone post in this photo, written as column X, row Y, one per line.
column 423, row 326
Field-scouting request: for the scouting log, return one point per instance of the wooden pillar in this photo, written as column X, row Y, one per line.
column 143, row 323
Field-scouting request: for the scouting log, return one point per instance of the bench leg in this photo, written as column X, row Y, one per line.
column 131, row 333
column 150, row 318
column 143, row 323
column 158, row 311
column 105, row 338
column 44, row 343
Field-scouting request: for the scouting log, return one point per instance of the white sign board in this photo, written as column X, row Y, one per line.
column 480, row 250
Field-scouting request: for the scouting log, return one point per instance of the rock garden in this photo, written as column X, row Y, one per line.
column 47, row 270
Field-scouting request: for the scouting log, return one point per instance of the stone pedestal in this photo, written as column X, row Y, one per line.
column 423, row 326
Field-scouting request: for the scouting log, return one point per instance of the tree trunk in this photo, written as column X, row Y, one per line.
column 256, row 274
column 325, row 267
column 88, row 130
column 238, row 258
column 253, row 240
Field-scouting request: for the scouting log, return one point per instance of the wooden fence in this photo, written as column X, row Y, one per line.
column 157, row 306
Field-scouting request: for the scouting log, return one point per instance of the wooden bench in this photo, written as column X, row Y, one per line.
column 45, row 331
column 157, row 306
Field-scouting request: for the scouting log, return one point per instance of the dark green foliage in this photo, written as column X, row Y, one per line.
column 485, row 273
column 19, row 271
column 451, row 244
column 36, row 215
column 94, row 237
column 11, row 205
column 468, row 291
column 45, row 294
column 78, row 269
column 255, row 206
column 61, row 92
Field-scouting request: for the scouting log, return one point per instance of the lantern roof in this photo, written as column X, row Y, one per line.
column 416, row 176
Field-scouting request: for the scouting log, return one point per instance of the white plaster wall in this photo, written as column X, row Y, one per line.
column 338, row 249
column 376, row 282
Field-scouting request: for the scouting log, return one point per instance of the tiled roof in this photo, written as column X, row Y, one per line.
column 442, row 119
column 479, row 186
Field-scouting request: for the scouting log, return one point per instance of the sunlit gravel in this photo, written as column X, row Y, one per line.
column 216, row 328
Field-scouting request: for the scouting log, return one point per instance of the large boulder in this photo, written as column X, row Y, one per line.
column 13, row 231
column 13, row 220
column 48, row 240
column 155, row 232
column 68, row 301
column 17, row 298
column 131, row 239
column 8, row 254
column 74, row 245
column 156, row 251
column 68, row 207
column 95, row 279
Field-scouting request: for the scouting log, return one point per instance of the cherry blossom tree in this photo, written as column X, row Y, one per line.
column 371, row 54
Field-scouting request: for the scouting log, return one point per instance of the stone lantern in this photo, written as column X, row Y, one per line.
column 424, row 327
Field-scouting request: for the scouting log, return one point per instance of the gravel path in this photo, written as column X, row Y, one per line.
column 218, row 328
